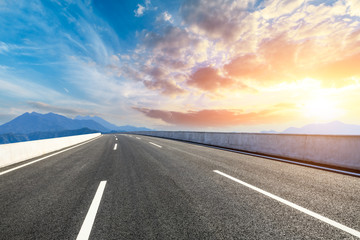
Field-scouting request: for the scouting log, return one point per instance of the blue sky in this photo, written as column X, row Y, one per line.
column 212, row 65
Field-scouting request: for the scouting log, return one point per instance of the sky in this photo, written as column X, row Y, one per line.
column 217, row 65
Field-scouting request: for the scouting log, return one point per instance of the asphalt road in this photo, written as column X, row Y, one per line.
column 162, row 189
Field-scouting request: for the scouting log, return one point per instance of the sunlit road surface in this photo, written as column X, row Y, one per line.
column 137, row 187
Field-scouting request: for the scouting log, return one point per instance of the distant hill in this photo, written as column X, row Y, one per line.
column 34, row 126
column 332, row 128
column 13, row 138
column 128, row 128
column 270, row 131
column 113, row 127
column 99, row 120
column 50, row 122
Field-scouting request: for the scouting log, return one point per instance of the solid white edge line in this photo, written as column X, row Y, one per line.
column 155, row 144
column 293, row 205
column 40, row 159
column 91, row 214
column 115, row 146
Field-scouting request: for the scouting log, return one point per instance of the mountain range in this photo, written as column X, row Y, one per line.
column 33, row 126
column 50, row 122
column 112, row 127
column 331, row 128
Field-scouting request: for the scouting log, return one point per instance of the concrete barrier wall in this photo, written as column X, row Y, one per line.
column 17, row 152
column 338, row 151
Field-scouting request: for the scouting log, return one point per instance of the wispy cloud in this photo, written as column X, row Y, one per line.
column 25, row 89
column 58, row 109
column 205, row 59
column 3, row 47
column 223, row 117
column 51, row 46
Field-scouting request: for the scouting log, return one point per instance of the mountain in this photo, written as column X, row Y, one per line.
column 12, row 138
column 332, row 128
column 270, row 131
column 34, row 126
column 99, row 120
column 113, row 127
column 50, row 122
column 128, row 128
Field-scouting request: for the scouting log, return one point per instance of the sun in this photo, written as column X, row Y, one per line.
column 322, row 109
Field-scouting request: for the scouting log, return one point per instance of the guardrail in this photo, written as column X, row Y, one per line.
column 342, row 151
column 17, row 152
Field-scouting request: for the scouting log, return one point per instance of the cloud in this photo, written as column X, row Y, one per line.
column 114, row 58
column 222, row 117
column 168, row 53
column 166, row 87
column 8, row 113
column 208, row 79
column 275, row 61
column 57, row 109
column 141, row 9
column 220, row 46
column 174, row 42
column 3, row 47
column 166, row 17
column 71, row 48
column 353, row 7
column 22, row 88
column 160, row 80
column 338, row 73
column 270, row 42
column 217, row 19
column 153, row 78
column 282, row 60
column 75, row 48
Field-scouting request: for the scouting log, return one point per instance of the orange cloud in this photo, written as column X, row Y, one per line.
column 222, row 117
column 252, row 44
column 275, row 61
column 287, row 41
column 282, row 60
column 166, row 87
column 337, row 73
column 209, row 79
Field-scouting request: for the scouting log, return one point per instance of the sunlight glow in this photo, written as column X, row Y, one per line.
column 303, row 84
column 322, row 109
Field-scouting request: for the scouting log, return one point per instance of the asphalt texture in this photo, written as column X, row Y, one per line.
column 172, row 192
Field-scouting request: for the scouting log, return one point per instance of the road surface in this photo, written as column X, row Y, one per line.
column 136, row 187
